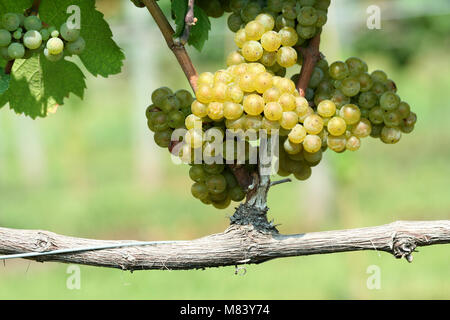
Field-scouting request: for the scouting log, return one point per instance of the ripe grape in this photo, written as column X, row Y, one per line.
column 199, row 190
column 376, row 115
column 313, row 124
column 11, row 21
column 254, row 30
column 389, row 101
column 266, row 20
column 220, row 92
column 204, row 94
column 240, row 38
column 253, row 122
column 336, row 143
column 235, row 94
column 235, row 58
column 338, row 70
column 297, row 134
column 263, row 82
column 16, row 50
column 287, row 102
column 272, row 95
column 282, row 22
column 350, row 87
column 288, row 36
column 253, row 104
column 362, row 129
column 205, row 78
column 223, row 76
column 336, row 126
column 353, row 143
column 55, row 46
column 215, row 110
column 390, row 135
column 288, row 120
column 270, row 125
column 271, row 41
column 32, row 39
column 32, row 23
column 326, row 108
column 247, row 82
column 312, row 143
column 232, row 111
column 273, row 111
column 268, row 58
column 291, row 147
column 350, row 113
column 286, row 57
column 252, row 50
column 192, row 121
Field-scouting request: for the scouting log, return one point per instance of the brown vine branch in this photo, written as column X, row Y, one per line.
column 34, row 10
column 177, row 48
column 189, row 21
column 236, row 245
column 311, row 55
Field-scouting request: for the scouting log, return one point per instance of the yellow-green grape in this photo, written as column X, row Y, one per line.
column 255, row 68
column 253, row 122
column 353, row 143
column 287, row 102
column 232, row 111
column 268, row 58
column 223, row 76
column 390, row 85
column 204, row 93
column 266, row 20
column 338, row 70
column 362, row 129
column 336, row 126
column 273, row 111
column 392, row 118
column 389, row 101
column 303, row 173
column 288, row 36
column 215, row 110
column 235, row 93
column 220, row 92
column 254, row 30
column 192, row 121
column 326, row 108
column 272, row 95
column 247, row 82
column 365, row 82
column 404, row 109
column 285, row 85
column 307, row 15
column 292, row 148
column 379, row 76
column 288, row 120
column 205, row 78
column 303, row 114
column 32, row 39
column 376, row 115
column 239, row 69
column 16, row 50
column 55, row 46
column 411, row 119
column 263, row 82
column 252, row 50
column 339, row 98
column 350, row 87
column 355, row 66
column 216, row 183
column 197, row 173
column 236, row 194
column 350, row 113
column 390, row 135
column 286, row 57
column 235, row 58
column 297, row 134
column 336, row 143
column 199, row 190
column 253, row 104
column 270, row 125
column 240, row 38
column 313, row 124
column 163, row 138
column 194, row 138
column 199, row 109
column 312, row 143
column 301, row 104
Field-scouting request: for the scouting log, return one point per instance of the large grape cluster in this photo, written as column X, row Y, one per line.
column 21, row 37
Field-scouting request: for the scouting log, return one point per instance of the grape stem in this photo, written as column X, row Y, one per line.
column 177, row 48
column 274, row 183
column 311, row 55
column 34, row 10
column 190, row 20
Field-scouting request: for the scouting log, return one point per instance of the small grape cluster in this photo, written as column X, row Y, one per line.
column 167, row 113
column 307, row 17
column 21, row 37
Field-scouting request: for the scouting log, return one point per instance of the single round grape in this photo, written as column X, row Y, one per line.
column 322, row 18
column 253, row 104
column 255, row 68
column 55, row 46
column 69, row 34
column 271, row 41
column 163, row 138
column 287, row 102
column 232, row 111
column 192, row 121
column 263, row 82
column 199, row 109
column 316, row 78
column 362, row 129
column 222, row 204
column 160, row 94
column 288, row 36
column 297, row 134
column 338, row 70
column 16, row 50
column 336, row 143
column 350, row 87
column 320, row 4
column 390, row 135
column 235, row 125
column 336, row 126
column 240, row 38
column 53, row 57
column 220, row 92
column 312, row 143
column 199, row 190
column 392, row 118
column 252, row 50
column 205, row 78
column 339, row 98
column 272, row 95
column 403, row 110
column 323, row 64
column 237, row 5
column 236, row 194
column 17, row 34
column 235, row 93
column 378, row 88
column 11, row 21
column 204, row 94
column 390, row 85
column 306, row 32
column 160, row 121
column 288, row 10
column 389, row 101
column 247, row 82
column 303, row 173
column 170, row 103
column 379, row 76
column 238, row 70
column 367, row 100
column 254, row 30
column 185, row 97
column 288, row 120
column 32, row 39
column 411, row 119
column 365, row 81
column 353, row 143
column 5, row 38
column 215, row 110
column 281, row 22
column 285, row 85
column 376, row 115
column 350, row 113
column 286, row 57
column 268, row 58
column 273, row 111
column 76, row 47
column 266, row 20
column 32, row 23
column 312, row 158
column 355, row 65
column 307, row 16
column 234, row 58
column 235, row 22
column 405, row 128
column 326, row 108
column 313, row 124
column 197, row 174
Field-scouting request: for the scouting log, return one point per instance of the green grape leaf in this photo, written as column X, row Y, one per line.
column 179, row 8
column 39, row 86
column 18, row 6
column 4, row 81
column 102, row 55
column 200, row 31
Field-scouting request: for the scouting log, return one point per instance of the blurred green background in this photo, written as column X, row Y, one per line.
column 93, row 170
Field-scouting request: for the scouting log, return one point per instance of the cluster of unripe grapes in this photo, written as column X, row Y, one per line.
column 21, row 37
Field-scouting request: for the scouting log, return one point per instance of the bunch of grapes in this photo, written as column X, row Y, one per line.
column 21, row 37
column 307, row 17
column 258, row 42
